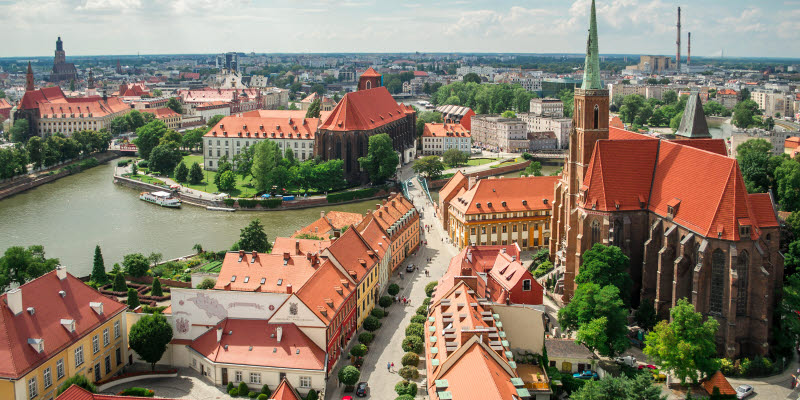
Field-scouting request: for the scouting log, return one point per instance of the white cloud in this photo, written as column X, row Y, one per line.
column 97, row 5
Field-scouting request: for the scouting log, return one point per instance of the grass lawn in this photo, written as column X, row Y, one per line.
column 244, row 188
column 213, row 266
column 480, row 161
column 509, row 162
column 146, row 179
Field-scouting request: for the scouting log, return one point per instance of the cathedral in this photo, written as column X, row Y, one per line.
column 678, row 209
column 62, row 70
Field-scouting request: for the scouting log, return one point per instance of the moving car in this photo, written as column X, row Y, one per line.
column 587, row 374
column 361, row 389
column 410, row 268
column 743, row 391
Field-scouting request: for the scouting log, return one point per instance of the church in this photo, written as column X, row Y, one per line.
column 678, row 209
column 62, row 70
column 369, row 111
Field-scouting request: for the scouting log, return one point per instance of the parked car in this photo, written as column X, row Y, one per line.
column 743, row 391
column 627, row 360
column 586, row 374
column 410, row 268
column 347, row 397
column 659, row 376
column 361, row 389
column 648, row 366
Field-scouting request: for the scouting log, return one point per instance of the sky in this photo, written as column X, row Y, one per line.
column 765, row 28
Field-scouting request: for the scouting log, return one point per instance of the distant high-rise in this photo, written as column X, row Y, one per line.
column 228, row 61
column 62, row 70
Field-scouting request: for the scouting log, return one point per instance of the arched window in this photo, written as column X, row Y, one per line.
column 618, row 233
column 369, row 84
column 717, row 282
column 742, row 266
column 595, row 232
column 596, row 117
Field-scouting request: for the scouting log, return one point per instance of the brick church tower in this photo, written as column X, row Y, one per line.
column 590, row 124
column 29, row 79
column 369, row 79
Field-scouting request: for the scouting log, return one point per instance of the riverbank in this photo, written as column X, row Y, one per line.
column 21, row 184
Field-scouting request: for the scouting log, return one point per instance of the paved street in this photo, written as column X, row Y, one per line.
column 387, row 346
column 188, row 385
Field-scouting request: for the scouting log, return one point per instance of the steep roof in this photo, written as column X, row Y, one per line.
column 265, row 127
column 33, row 98
column 591, row 69
column 50, row 310
column 299, row 246
column 332, row 220
column 444, row 130
column 693, row 123
column 277, row 271
column 255, row 342
column 763, row 209
column 370, row 72
column 507, row 195
column 472, row 261
column 326, row 292
column 718, row 380
column 391, row 210
column 508, row 271
column 161, row 113
column 285, row 391
column 456, row 182
column 609, row 181
column 713, row 145
column 365, row 110
column 353, row 254
column 94, row 105
column 4, row 103
column 476, row 374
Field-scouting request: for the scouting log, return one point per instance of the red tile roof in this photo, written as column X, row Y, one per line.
column 444, row 130
column 455, row 183
column 763, row 209
column 713, row 145
column 391, row 210
column 375, row 236
column 718, row 380
column 255, row 342
column 727, row 92
column 476, row 374
column 17, row 357
column 365, row 110
column 82, row 105
column 190, row 75
column 5, row 104
column 370, row 72
column 790, row 143
column 299, row 246
column 33, row 98
column 265, row 128
column 616, row 122
column 162, row 113
column 276, row 270
column 507, row 195
column 285, row 391
column 610, row 181
column 508, row 272
column 472, row 261
column 354, row 254
column 621, row 134
column 207, row 95
column 133, row 90
column 420, row 73
column 332, row 220
column 322, row 294
column 76, row 392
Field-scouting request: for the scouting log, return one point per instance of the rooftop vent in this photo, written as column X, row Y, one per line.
column 62, row 293
column 31, row 310
column 97, row 307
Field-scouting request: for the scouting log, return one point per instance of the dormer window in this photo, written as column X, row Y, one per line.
column 37, row 344
column 69, row 324
column 97, row 307
column 233, row 278
column 744, row 230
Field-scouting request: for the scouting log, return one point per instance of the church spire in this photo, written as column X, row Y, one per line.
column 591, row 71
column 29, row 79
column 91, row 79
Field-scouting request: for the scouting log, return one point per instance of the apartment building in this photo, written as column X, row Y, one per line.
column 438, row 138
column 496, row 133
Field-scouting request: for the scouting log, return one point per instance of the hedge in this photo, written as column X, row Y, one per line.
column 418, row 319
column 271, row 203
column 137, row 391
column 229, row 202
column 246, row 203
column 352, row 195
column 377, row 313
column 410, row 359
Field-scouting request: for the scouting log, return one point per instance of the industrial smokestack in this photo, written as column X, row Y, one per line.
column 678, row 43
column 689, row 50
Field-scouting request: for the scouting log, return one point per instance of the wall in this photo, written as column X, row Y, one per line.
column 21, row 184
column 439, row 183
column 303, row 318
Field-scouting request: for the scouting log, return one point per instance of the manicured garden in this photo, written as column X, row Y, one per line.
column 480, row 161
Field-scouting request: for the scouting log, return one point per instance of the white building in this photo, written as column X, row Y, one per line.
column 438, row 138
column 547, row 107
column 560, row 127
column 495, row 133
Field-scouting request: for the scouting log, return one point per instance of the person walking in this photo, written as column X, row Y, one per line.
column 389, row 366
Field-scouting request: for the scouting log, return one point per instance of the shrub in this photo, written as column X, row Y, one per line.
column 262, row 396
column 349, row 375
column 123, row 163
column 406, row 387
column 410, row 359
column 156, row 290
column 422, row 310
column 426, row 301
column 143, row 164
column 207, row 283
column 233, row 392
column 265, row 390
column 418, row 319
column 404, row 397
column 727, row 367
column 312, row 395
column 252, row 395
column 243, row 389
column 137, row 392
column 248, row 203
column 377, row 313
column 430, row 287
column 542, row 269
column 366, row 337
column 415, row 329
column 271, row 203
column 79, row 380
column 385, row 302
column 133, row 298
column 413, row 343
column 409, row 372
column 229, row 202
column 527, row 156
column 119, row 283
column 394, row 289
column 372, row 324
column 359, row 350
column 230, row 386
column 351, row 195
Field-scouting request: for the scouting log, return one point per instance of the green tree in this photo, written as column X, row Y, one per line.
column 349, row 375
column 455, row 157
column 79, row 380
column 19, row 265
column 381, row 160
column 408, row 372
column 429, row 166
column 508, row 114
column 99, row 267
column 253, row 238
column 686, row 345
column 753, row 157
column 223, row 166
column 227, row 181
column 641, row 387
column 133, row 299
column 35, row 148
column 134, row 120
column 156, row 290
column 266, row 156
column 413, row 343
column 136, row 264
column 181, row 172
column 119, row 283
column 288, row 157
column 213, row 121
column 314, row 109
column 312, row 395
column 592, row 302
column 645, row 315
column 172, row 139
column 425, row 117
column 430, row 287
column 385, row 302
column 787, row 180
column 358, row 350
column 533, row 169
column 393, row 289
column 148, row 137
column 675, row 122
column 175, row 105
column 606, row 265
column 19, row 131
column 134, row 169
column 149, row 338
column 163, row 158
column 371, row 324
column 471, row 77
column 196, row 174
column 744, row 112
column 567, row 97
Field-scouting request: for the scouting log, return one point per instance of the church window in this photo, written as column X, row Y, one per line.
column 596, row 117
column 618, row 233
column 717, row 282
column 369, row 85
column 742, row 265
column 595, row 232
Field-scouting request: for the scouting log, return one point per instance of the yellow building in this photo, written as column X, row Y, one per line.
column 499, row 211
column 55, row 327
column 352, row 254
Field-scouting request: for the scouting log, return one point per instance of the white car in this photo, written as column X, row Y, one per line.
column 743, row 391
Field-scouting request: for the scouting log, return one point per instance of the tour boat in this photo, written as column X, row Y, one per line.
column 164, row 199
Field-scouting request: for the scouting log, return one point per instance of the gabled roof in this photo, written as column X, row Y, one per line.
column 455, row 182
column 763, row 209
column 713, row 145
column 471, row 262
column 162, row 113
column 321, row 293
column 508, row 271
column 476, row 374
column 391, row 210
column 507, row 195
column 353, row 253
column 693, row 123
column 609, row 179
column 4, row 103
column 33, row 98
column 255, row 342
column 330, row 221
column 42, row 294
column 375, row 236
column 285, row 391
column 265, row 127
column 370, row 72
column 277, row 271
column 444, row 130
column 299, row 246
column 718, row 380
column 365, row 110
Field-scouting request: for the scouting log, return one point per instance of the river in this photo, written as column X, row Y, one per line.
column 72, row 215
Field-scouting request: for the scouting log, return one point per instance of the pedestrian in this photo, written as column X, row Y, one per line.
column 392, row 365
column 388, row 366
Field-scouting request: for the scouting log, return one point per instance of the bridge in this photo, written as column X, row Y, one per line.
column 550, row 155
column 128, row 149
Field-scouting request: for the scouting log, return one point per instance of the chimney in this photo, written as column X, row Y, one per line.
column 279, row 333
column 377, row 206
column 689, row 50
column 14, row 299
column 678, row 43
column 219, row 334
column 61, row 272
column 322, row 214
column 255, row 254
column 286, row 255
column 297, row 246
column 472, row 181
column 289, row 289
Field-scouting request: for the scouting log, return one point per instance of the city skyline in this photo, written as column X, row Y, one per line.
column 545, row 26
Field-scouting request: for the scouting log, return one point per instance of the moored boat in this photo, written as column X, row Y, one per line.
column 164, row 199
